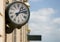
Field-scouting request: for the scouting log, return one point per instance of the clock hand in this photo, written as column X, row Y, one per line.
column 21, row 11
column 24, row 12
column 17, row 13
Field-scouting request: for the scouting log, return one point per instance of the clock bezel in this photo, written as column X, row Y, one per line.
column 10, row 22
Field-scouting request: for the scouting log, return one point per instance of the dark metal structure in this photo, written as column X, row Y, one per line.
column 34, row 37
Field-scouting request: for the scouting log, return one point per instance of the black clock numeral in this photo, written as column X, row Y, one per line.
column 21, row 9
column 14, row 6
column 12, row 9
column 18, row 21
column 24, row 9
column 14, row 19
column 10, row 12
column 25, row 17
column 22, row 19
column 18, row 5
column 11, row 16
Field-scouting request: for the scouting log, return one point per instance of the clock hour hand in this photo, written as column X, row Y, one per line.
column 17, row 13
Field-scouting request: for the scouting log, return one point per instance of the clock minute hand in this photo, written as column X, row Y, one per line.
column 24, row 12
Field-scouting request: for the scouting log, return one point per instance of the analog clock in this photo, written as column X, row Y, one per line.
column 17, row 14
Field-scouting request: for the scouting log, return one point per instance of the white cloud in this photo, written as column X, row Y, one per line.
column 39, row 19
column 47, row 11
column 41, row 24
column 44, row 11
column 56, row 20
column 42, row 14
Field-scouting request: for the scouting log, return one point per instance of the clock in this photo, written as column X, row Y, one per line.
column 17, row 14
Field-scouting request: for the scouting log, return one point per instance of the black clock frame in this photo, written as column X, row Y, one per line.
column 8, row 20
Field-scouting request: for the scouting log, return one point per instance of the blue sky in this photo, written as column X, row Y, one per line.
column 45, row 19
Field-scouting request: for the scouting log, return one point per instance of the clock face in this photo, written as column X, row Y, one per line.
column 18, row 13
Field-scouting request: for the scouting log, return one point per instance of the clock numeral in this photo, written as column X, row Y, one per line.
column 18, row 5
column 14, row 6
column 24, row 9
column 14, row 19
column 12, row 9
column 18, row 21
column 10, row 12
column 22, row 20
column 20, row 9
column 25, row 17
column 11, row 16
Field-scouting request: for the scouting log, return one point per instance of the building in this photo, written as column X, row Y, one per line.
column 18, row 35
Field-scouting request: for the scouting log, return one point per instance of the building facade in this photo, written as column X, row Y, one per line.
column 18, row 35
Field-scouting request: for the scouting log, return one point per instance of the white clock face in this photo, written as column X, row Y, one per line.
column 18, row 13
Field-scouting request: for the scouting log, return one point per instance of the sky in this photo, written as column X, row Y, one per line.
column 45, row 19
